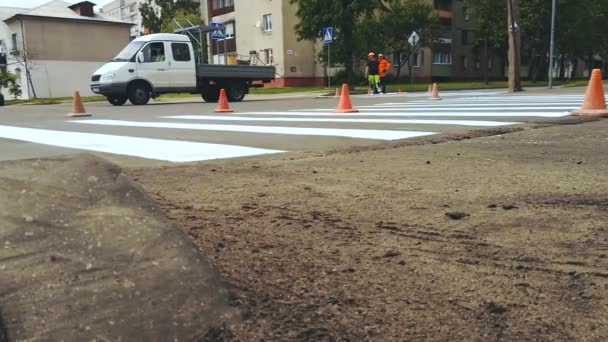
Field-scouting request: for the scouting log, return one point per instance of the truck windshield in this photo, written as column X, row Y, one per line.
column 128, row 52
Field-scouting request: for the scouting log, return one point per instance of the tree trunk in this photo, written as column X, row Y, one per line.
column 514, row 46
column 574, row 68
column 562, row 68
column 485, row 59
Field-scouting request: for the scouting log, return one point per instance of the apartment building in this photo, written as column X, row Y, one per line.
column 59, row 45
column 262, row 32
column 127, row 11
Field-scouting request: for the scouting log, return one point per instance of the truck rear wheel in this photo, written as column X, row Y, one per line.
column 211, row 95
column 236, row 92
column 139, row 93
column 117, row 100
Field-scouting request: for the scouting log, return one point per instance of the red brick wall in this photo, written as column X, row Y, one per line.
column 296, row 82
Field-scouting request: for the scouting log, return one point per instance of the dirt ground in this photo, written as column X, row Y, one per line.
column 495, row 238
column 87, row 256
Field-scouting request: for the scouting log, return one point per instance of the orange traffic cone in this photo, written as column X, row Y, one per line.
column 369, row 91
column 223, row 106
column 337, row 92
column 400, row 91
column 78, row 107
column 345, row 105
column 435, row 93
column 595, row 101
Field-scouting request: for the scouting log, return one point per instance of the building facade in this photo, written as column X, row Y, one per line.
column 55, row 48
column 262, row 32
column 127, row 11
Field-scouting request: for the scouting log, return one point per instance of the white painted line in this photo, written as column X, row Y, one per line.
column 416, row 113
column 168, row 150
column 424, row 109
column 468, row 105
column 335, row 132
column 342, row 120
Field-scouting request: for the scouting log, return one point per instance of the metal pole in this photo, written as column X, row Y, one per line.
column 413, row 62
column 552, row 45
column 328, row 66
column 225, row 47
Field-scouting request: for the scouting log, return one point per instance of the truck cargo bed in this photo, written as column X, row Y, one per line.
column 248, row 72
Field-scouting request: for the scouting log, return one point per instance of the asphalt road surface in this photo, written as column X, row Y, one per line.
column 184, row 132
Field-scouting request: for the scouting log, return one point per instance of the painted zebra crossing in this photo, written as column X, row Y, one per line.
column 383, row 122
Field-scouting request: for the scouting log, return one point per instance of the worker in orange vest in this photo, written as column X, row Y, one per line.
column 385, row 66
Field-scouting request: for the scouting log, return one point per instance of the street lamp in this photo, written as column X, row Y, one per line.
column 552, row 44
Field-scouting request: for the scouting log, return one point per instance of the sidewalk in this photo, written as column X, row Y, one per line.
column 500, row 237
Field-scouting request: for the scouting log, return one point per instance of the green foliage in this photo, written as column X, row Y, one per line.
column 158, row 14
column 387, row 31
column 363, row 25
column 343, row 15
column 9, row 80
column 183, row 18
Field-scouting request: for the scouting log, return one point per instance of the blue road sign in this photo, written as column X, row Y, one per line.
column 218, row 34
column 328, row 35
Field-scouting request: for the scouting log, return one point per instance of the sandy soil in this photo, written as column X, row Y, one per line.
column 497, row 238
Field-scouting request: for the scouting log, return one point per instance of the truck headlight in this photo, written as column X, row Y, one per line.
column 108, row 77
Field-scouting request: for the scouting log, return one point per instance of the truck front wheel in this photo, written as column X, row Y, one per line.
column 236, row 92
column 211, row 95
column 117, row 100
column 139, row 94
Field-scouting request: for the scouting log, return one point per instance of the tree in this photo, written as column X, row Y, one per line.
column 343, row 15
column 9, row 80
column 158, row 13
column 388, row 29
column 490, row 17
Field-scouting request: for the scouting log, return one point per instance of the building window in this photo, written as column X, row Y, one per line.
column 229, row 32
column 217, row 4
column 418, row 59
column 132, row 8
column 268, row 57
column 442, row 57
column 14, row 41
column 465, row 13
column 181, row 52
column 465, row 37
column 154, row 52
column 267, row 22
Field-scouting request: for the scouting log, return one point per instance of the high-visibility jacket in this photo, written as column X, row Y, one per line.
column 385, row 66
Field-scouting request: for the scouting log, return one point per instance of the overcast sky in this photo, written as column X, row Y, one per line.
column 34, row 3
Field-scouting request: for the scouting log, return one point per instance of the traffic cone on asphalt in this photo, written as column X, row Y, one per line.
column 595, row 101
column 345, row 105
column 369, row 91
column 435, row 93
column 337, row 92
column 223, row 106
column 78, row 107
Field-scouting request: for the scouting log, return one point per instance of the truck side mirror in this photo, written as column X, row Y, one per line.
column 140, row 57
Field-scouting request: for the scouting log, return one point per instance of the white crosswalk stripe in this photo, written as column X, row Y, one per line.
column 159, row 149
column 333, row 132
column 477, row 123
column 391, row 120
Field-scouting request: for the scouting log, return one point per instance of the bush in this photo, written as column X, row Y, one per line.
column 9, row 80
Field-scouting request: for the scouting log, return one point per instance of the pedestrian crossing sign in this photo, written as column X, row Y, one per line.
column 328, row 35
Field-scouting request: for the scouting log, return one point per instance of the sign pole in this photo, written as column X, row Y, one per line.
column 552, row 45
column 329, row 66
column 412, row 62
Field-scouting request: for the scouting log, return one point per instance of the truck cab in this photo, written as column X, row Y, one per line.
column 165, row 63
